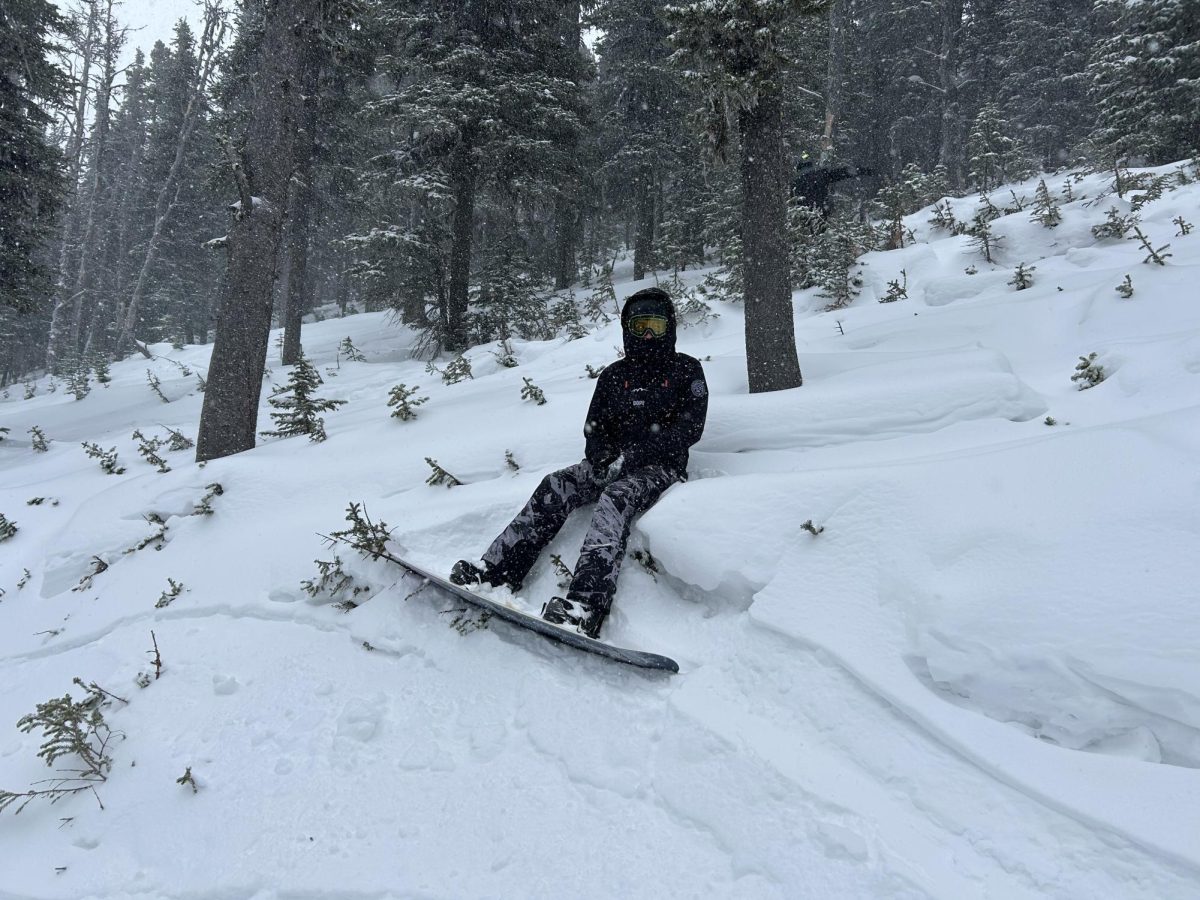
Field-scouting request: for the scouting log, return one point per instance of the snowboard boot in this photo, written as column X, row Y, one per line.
column 585, row 617
column 466, row 573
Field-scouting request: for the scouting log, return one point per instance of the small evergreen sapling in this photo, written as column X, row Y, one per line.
column 188, row 780
column 156, row 386
column 532, row 392
column 7, row 528
column 592, row 371
column 1023, row 277
column 1045, row 210
column 78, row 380
column 458, row 370
column 511, row 461
column 148, row 449
column 1152, row 255
column 1115, row 225
column 439, row 475
column 369, row 538
column 39, row 442
column 108, row 458
column 178, row 440
column 1125, row 288
column 1088, row 373
column 1185, row 227
column 73, row 729
column 405, row 403
column 897, row 289
column 982, row 237
column 85, row 583
column 103, row 375
column 30, row 390
column 176, row 588
column 352, row 353
column 299, row 408
column 203, row 506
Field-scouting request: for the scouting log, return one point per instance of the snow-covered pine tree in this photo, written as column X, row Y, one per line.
column 1045, row 210
column 1145, row 79
column 734, row 50
column 299, row 409
column 993, row 155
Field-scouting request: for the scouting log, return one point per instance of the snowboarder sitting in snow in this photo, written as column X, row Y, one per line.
column 648, row 409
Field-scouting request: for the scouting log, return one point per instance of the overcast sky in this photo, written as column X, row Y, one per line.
column 149, row 21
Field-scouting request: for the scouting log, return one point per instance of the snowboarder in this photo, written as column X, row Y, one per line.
column 647, row 410
column 812, row 182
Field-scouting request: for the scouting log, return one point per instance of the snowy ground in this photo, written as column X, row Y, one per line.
column 982, row 679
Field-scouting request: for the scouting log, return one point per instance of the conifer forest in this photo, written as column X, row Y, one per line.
column 472, row 165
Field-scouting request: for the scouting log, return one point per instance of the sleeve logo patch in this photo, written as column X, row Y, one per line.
column 699, row 388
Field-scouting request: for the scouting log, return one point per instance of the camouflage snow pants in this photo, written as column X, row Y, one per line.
column 618, row 502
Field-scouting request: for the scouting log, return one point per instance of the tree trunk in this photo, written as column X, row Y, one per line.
column 462, row 177
column 168, row 195
column 771, row 360
column 299, row 285
column 229, row 417
column 950, row 154
column 835, row 79
column 643, row 241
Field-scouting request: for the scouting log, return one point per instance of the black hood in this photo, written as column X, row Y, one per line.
column 641, row 349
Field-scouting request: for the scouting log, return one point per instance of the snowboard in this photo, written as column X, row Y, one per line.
column 558, row 633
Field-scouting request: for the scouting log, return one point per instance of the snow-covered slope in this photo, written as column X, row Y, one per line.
column 981, row 679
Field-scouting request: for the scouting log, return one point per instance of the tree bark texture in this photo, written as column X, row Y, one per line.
column 463, row 177
column 298, row 291
column 771, row 360
column 229, row 418
column 950, row 154
column 643, row 242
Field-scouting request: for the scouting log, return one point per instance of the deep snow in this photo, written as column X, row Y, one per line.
column 982, row 679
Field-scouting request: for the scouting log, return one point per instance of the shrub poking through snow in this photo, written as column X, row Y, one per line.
column 367, row 537
column 334, row 582
column 458, row 370
column 108, row 458
column 943, row 218
column 982, row 237
column 505, row 357
column 1152, row 255
column 174, row 590
column 188, row 780
column 812, row 529
column 1185, row 227
column 7, row 528
column 511, row 461
column 562, row 572
column 148, row 449
column 1115, row 225
column 79, row 379
column 1045, row 210
column 405, row 403
column 156, row 386
column 897, row 289
column 103, row 375
column 30, row 390
column 75, row 730
column 602, row 297
column 592, row 371
column 353, row 354
column 1088, row 373
column 299, row 409
column 178, row 440
column 439, row 475
column 1023, row 277
column 1125, row 288
column 532, row 392
column 204, row 506
column 85, row 583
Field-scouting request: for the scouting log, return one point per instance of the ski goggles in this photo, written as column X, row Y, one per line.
column 641, row 325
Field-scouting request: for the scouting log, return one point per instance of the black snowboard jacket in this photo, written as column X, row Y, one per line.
column 649, row 406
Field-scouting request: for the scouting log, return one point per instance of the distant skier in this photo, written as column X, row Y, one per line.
column 812, row 182
column 647, row 410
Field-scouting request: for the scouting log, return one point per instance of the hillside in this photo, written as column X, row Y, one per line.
column 981, row 679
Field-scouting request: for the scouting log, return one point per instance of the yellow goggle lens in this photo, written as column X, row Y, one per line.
column 656, row 325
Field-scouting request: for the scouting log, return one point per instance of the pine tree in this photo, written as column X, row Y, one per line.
column 1145, row 79
column 300, row 409
column 994, row 156
column 736, row 49
column 1045, row 210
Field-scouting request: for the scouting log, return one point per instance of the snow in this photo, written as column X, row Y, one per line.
column 981, row 679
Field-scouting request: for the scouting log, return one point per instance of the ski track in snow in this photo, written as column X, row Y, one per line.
column 980, row 680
